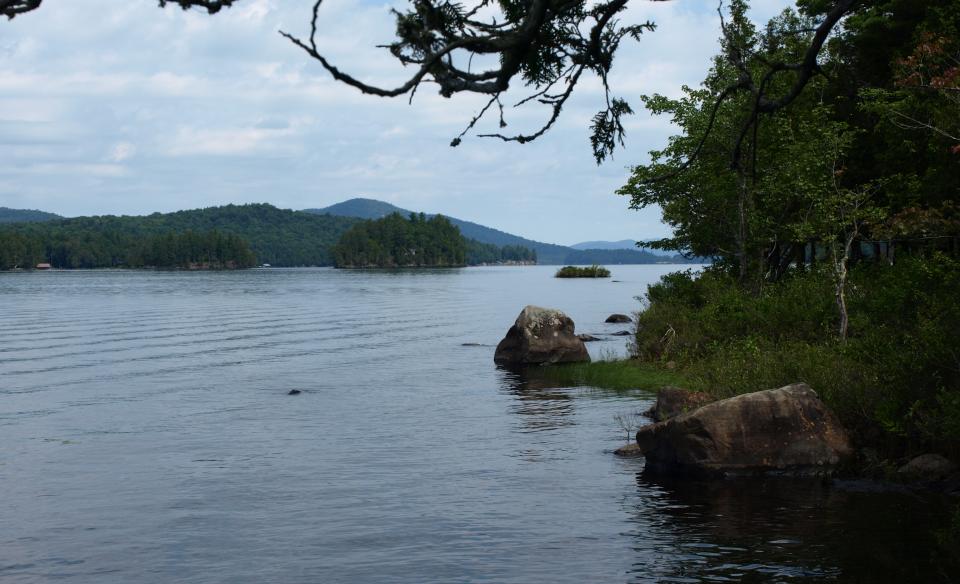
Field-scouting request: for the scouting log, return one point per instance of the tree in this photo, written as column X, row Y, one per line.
column 742, row 200
column 629, row 422
column 548, row 46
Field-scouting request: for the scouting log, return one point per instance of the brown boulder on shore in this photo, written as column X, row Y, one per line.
column 781, row 431
column 540, row 336
column 673, row 401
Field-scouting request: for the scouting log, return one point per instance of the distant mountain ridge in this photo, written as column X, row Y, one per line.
column 280, row 237
column 284, row 237
column 622, row 244
column 547, row 253
column 8, row 215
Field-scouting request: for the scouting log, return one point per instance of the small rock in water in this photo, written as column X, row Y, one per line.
column 630, row 450
column 471, row 345
column 927, row 466
column 294, row 392
column 587, row 338
column 622, row 334
column 616, row 318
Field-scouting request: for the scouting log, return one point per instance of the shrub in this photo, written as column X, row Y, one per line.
column 593, row 271
column 895, row 382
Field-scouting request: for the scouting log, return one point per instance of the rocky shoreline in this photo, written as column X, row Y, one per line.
column 787, row 431
column 692, row 434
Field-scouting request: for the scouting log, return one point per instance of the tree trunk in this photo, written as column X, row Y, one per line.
column 841, row 264
column 742, row 228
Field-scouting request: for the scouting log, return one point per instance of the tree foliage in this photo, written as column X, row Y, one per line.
column 395, row 242
column 782, row 203
column 106, row 249
column 488, row 253
column 833, row 221
column 275, row 236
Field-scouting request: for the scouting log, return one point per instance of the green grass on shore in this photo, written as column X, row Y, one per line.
column 618, row 375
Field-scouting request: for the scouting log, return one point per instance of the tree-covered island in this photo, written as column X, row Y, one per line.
column 418, row 241
column 243, row 236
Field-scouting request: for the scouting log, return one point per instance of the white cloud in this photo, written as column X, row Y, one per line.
column 122, row 151
column 188, row 141
column 129, row 111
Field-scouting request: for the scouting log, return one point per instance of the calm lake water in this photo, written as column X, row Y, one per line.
column 146, row 436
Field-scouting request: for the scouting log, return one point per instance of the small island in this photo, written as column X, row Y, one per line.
column 593, row 271
column 397, row 242
column 419, row 241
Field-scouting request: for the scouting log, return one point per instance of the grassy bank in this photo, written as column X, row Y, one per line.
column 617, row 375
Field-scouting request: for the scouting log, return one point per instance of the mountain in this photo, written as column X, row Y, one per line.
column 280, row 237
column 622, row 244
column 8, row 215
column 361, row 208
column 547, row 253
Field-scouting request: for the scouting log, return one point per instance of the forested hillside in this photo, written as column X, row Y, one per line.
column 546, row 253
column 487, row 253
column 373, row 209
column 276, row 236
column 8, row 215
column 395, row 242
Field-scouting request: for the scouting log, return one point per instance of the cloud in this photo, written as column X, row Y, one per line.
column 188, row 141
column 70, row 169
column 146, row 109
column 122, row 151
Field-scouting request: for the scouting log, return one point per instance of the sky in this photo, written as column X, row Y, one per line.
column 120, row 107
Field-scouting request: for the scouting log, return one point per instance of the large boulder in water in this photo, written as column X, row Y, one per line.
column 780, row 431
column 539, row 336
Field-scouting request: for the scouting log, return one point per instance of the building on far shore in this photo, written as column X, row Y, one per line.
column 44, row 267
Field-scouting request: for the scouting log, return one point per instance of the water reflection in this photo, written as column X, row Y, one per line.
column 784, row 530
column 542, row 406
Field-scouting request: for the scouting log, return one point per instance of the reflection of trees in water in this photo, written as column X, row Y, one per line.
column 541, row 405
column 783, row 530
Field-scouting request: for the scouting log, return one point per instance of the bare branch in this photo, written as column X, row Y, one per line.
column 11, row 8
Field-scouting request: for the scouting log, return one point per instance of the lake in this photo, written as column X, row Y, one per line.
column 147, row 436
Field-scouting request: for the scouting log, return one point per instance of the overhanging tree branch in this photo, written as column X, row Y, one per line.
column 11, row 8
column 540, row 43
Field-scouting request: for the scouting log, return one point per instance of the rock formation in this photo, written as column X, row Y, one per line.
column 781, row 431
column 540, row 336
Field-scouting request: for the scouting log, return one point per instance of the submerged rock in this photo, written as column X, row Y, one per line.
column 673, row 401
column 618, row 318
column 294, row 392
column 927, row 467
column 621, row 334
column 629, row 451
column 588, row 338
column 781, row 431
column 539, row 336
